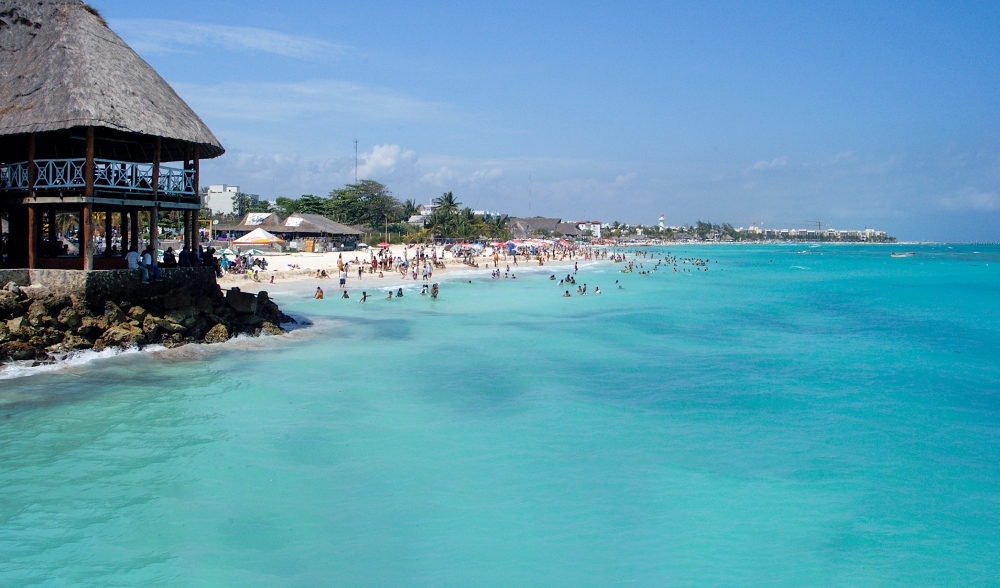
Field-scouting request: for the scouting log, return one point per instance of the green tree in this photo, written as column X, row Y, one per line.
column 365, row 203
column 409, row 209
column 447, row 203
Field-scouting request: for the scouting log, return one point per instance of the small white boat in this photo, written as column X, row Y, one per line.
column 907, row 254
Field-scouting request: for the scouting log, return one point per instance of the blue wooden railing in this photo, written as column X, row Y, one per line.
column 61, row 174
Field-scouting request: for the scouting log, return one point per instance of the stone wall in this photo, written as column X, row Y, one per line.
column 95, row 287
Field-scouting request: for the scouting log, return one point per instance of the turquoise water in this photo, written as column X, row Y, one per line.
column 784, row 419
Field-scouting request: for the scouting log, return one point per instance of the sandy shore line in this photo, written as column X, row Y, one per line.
column 303, row 281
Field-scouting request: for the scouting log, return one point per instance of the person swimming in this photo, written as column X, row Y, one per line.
column 345, row 295
column 399, row 293
column 319, row 293
column 567, row 294
column 597, row 290
column 364, row 297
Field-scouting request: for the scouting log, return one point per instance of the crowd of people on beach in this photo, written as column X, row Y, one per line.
column 421, row 265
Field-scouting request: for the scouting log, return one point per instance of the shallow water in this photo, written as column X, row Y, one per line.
column 829, row 418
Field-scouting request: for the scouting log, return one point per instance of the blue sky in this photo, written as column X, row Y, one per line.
column 856, row 114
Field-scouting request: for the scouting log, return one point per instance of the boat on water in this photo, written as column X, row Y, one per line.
column 907, row 254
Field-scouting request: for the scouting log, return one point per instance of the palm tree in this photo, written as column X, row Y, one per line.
column 409, row 208
column 446, row 203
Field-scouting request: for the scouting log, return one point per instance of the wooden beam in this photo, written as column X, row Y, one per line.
column 134, row 230
column 54, row 233
column 195, row 232
column 88, row 170
column 32, row 172
column 109, row 229
column 33, row 229
column 197, row 173
column 156, row 169
column 154, row 231
column 123, row 222
column 87, row 240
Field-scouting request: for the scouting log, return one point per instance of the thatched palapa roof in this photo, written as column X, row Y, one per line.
column 62, row 67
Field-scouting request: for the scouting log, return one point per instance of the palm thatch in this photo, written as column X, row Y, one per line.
column 62, row 67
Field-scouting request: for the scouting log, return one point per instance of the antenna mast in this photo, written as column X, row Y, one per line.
column 355, row 161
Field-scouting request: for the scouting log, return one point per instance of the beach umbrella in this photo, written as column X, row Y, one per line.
column 383, row 244
column 227, row 251
column 258, row 236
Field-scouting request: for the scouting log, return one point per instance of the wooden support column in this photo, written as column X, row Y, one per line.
column 87, row 235
column 87, row 214
column 34, row 221
column 123, row 231
column 134, row 237
column 109, row 228
column 197, row 190
column 154, row 232
column 33, row 230
column 154, row 214
column 195, row 232
column 53, row 233
column 156, row 170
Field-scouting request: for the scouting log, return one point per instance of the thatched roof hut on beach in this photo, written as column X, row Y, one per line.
column 85, row 127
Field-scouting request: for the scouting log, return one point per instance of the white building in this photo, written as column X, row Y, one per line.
column 219, row 198
column 593, row 226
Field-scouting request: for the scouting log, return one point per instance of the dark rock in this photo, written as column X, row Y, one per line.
column 20, row 351
column 4, row 333
column 205, row 305
column 269, row 328
column 92, row 326
column 68, row 317
column 123, row 335
column 151, row 327
column 73, row 342
column 217, row 334
column 137, row 313
column 113, row 313
column 56, row 303
column 15, row 325
column 10, row 305
column 171, row 327
column 36, row 312
column 241, row 301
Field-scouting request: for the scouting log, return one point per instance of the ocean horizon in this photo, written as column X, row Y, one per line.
column 798, row 414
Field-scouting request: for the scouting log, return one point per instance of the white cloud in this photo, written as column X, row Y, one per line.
column 270, row 102
column 625, row 179
column 776, row 162
column 383, row 160
column 158, row 36
column 445, row 176
column 971, row 199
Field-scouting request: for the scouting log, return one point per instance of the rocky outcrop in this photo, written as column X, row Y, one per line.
column 36, row 324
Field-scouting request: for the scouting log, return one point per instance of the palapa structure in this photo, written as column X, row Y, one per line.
column 87, row 126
